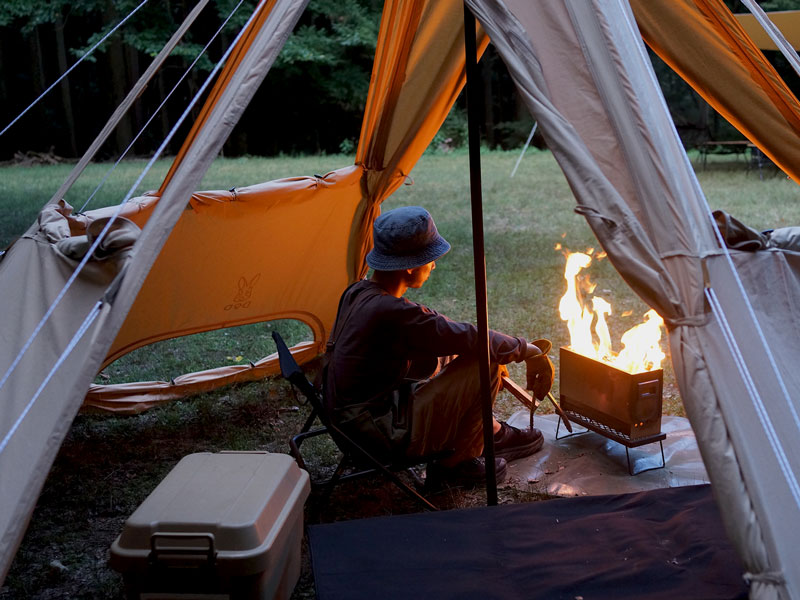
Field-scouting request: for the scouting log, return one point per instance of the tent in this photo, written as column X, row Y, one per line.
column 787, row 21
column 731, row 315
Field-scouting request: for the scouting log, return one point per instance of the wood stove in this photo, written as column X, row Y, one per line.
column 621, row 406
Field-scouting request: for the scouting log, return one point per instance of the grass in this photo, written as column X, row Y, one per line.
column 165, row 360
column 109, row 464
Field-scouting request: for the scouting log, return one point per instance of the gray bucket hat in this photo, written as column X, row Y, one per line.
column 405, row 238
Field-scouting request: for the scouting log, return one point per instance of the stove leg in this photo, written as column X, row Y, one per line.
column 558, row 426
column 663, row 461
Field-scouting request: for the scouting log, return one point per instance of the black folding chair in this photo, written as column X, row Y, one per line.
column 353, row 454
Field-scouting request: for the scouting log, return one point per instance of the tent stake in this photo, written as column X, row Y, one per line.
column 481, row 304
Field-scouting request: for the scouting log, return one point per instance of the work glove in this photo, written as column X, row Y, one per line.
column 540, row 371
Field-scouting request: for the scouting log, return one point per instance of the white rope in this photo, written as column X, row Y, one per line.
column 157, row 110
column 68, row 71
column 757, row 402
column 752, row 389
column 72, row 343
column 135, row 91
column 754, row 319
column 128, row 196
column 774, row 33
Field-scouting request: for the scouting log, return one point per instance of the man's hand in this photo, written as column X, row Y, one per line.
column 540, row 370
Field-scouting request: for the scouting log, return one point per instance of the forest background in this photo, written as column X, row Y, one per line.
column 311, row 102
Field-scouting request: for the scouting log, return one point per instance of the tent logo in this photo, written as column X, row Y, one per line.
column 243, row 294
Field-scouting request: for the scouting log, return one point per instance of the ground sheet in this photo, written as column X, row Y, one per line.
column 656, row 544
column 588, row 464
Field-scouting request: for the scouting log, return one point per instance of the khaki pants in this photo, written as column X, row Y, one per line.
column 446, row 410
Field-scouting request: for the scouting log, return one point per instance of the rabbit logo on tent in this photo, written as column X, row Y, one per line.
column 243, row 293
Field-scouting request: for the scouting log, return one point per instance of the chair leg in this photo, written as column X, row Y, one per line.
column 296, row 440
column 391, row 475
column 327, row 486
column 309, row 421
column 338, row 476
column 294, row 450
column 419, row 482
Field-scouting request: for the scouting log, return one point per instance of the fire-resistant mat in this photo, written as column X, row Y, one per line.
column 589, row 464
column 659, row 544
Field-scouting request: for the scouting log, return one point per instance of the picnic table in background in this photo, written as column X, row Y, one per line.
column 754, row 157
column 737, row 147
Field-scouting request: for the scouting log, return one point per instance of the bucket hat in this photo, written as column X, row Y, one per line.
column 405, row 238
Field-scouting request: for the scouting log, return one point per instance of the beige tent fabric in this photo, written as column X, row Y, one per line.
column 788, row 21
column 33, row 423
column 603, row 116
column 727, row 69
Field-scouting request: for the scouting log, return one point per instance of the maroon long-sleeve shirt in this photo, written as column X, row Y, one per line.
column 378, row 335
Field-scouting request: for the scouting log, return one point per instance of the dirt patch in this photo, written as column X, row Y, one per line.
column 30, row 158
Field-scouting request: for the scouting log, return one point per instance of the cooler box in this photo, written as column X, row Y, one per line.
column 219, row 526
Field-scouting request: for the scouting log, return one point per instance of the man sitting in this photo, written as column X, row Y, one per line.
column 403, row 379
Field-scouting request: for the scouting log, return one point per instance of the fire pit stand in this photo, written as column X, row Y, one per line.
column 614, row 435
column 620, row 406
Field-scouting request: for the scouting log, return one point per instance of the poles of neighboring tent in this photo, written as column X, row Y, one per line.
column 481, row 303
column 524, row 148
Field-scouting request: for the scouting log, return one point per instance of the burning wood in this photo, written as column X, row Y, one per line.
column 588, row 327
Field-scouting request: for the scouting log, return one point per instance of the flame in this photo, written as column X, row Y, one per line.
column 641, row 344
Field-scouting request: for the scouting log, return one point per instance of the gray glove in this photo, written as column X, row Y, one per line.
column 539, row 370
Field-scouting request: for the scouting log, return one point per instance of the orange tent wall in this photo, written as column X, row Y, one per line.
column 271, row 251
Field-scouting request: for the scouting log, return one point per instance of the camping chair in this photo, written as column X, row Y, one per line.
column 353, row 453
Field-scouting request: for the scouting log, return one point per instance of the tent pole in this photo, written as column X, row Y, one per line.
column 481, row 303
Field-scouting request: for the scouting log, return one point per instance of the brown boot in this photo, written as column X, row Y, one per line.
column 512, row 443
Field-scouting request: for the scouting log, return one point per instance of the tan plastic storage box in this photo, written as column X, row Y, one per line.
column 219, row 526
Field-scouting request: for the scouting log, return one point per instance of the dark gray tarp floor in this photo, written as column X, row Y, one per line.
column 657, row 544
column 653, row 535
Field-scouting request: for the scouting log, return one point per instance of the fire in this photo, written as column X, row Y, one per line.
column 641, row 344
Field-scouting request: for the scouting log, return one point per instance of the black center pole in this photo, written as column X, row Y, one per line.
column 481, row 303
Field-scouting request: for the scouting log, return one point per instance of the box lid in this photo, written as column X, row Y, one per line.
column 237, row 502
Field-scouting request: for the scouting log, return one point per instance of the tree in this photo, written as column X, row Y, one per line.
column 326, row 63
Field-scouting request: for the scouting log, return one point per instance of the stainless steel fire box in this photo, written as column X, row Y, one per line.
column 219, row 526
column 622, row 406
